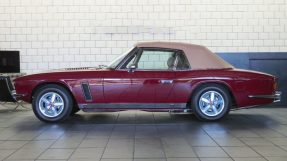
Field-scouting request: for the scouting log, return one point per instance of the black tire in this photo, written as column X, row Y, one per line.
column 75, row 110
column 63, row 93
column 195, row 101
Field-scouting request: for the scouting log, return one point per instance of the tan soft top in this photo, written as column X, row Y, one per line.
column 198, row 56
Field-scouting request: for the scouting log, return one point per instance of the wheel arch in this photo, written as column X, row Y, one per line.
column 40, row 85
column 223, row 84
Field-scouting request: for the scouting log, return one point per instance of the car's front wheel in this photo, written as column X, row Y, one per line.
column 210, row 102
column 75, row 110
column 52, row 103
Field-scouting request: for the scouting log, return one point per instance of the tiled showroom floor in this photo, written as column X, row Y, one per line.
column 256, row 134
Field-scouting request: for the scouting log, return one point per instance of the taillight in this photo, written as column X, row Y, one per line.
column 275, row 85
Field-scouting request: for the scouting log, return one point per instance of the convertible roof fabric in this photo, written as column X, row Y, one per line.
column 198, row 56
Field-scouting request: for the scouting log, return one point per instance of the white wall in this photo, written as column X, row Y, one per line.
column 71, row 33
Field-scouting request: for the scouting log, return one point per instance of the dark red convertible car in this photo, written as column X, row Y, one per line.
column 152, row 76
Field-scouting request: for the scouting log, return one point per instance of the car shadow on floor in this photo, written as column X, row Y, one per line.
column 233, row 120
column 236, row 120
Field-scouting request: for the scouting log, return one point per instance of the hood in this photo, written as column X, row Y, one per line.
column 66, row 73
column 77, row 69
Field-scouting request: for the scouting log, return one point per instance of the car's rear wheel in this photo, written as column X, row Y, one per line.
column 211, row 102
column 52, row 103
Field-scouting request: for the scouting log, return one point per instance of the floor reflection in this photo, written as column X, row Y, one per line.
column 258, row 134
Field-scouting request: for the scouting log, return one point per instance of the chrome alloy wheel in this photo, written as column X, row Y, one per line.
column 211, row 103
column 51, row 104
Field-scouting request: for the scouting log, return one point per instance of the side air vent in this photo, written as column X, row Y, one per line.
column 86, row 91
column 81, row 68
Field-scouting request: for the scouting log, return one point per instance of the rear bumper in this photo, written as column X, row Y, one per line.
column 276, row 96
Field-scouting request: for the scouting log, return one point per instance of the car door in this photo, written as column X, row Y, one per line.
column 143, row 79
column 117, row 86
column 153, row 77
column 117, row 82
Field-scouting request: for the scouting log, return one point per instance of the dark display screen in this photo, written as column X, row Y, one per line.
column 9, row 62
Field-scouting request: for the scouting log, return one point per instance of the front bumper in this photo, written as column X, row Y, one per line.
column 7, row 93
column 276, row 96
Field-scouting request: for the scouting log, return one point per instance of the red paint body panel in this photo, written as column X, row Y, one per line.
column 241, row 84
column 117, row 87
column 121, row 86
column 147, row 86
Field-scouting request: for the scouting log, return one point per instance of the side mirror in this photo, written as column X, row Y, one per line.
column 132, row 68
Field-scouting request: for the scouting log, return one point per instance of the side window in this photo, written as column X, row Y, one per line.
column 182, row 62
column 156, row 60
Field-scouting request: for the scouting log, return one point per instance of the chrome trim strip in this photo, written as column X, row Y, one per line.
column 15, row 95
column 244, row 107
column 276, row 96
column 133, row 105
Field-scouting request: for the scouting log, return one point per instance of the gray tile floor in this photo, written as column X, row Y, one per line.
column 257, row 134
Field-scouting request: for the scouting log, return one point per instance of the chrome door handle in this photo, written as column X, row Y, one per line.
column 166, row 81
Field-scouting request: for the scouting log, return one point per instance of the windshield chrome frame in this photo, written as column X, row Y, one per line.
column 131, row 53
column 122, row 56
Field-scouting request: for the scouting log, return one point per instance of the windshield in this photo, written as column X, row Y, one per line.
column 115, row 62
